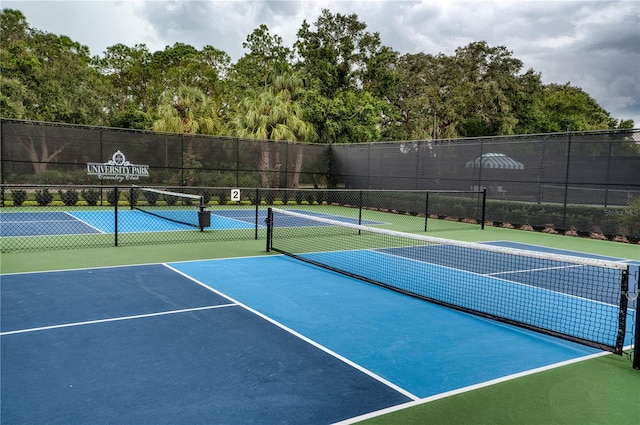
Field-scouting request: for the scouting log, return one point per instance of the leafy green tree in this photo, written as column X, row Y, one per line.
column 348, row 117
column 350, row 73
column 12, row 93
column 412, row 98
column 563, row 107
column 488, row 87
column 46, row 77
column 266, row 59
column 14, row 60
column 128, row 71
column 184, row 65
column 330, row 55
column 57, row 82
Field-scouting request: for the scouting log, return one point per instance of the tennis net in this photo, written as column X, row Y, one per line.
column 182, row 208
column 578, row 299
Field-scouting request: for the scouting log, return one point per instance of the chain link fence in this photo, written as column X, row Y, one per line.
column 584, row 183
column 37, row 217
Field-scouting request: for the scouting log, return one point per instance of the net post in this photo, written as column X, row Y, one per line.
column 201, row 212
column 484, row 207
column 269, row 222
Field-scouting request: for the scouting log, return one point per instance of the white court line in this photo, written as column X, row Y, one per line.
column 540, row 269
column 469, row 388
column 84, row 222
column 115, row 319
column 302, row 337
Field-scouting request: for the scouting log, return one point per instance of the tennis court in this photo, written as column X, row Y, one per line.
column 264, row 339
column 50, row 223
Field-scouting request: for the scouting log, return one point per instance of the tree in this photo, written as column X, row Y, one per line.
column 275, row 114
column 412, row 99
column 129, row 73
column 330, row 54
column 266, row 59
column 561, row 107
column 487, row 91
column 46, row 77
column 58, row 83
column 348, row 117
column 184, row 65
column 12, row 93
column 350, row 73
column 187, row 111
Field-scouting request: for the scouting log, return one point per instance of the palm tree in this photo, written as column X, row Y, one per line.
column 187, row 111
column 275, row 114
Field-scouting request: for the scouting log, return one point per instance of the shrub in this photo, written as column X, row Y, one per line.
column 270, row 197
column 133, row 197
column 285, row 197
column 18, row 196
column 69, row 197
column 43, row 197
column 308, row 196
column 92, row 196
column 254, row 198
column 171, row 200
column 206, row 196
column 152, row 197
column 630, row 217
column 113, row 196
column 222, row 198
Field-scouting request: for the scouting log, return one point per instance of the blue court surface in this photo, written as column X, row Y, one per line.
column 135, row 221
column 264, row 340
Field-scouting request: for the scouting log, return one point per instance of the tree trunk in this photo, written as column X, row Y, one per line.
column 40, row 162
column 264, row 164
column 293, row 178
column 276, row 165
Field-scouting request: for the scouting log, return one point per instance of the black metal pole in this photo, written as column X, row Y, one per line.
column 257, row 212
column 426, row 212
column 636, row 341
column 484, row 207
column 566, row 181
column 360, row 209
column 201, row 212
column 115, row 222
column 269, row 222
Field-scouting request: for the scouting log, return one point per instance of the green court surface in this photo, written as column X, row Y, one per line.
column 602, row 389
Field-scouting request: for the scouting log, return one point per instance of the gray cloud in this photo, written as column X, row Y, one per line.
column 594, row 45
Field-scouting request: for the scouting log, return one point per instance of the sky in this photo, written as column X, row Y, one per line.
column 593, row 44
